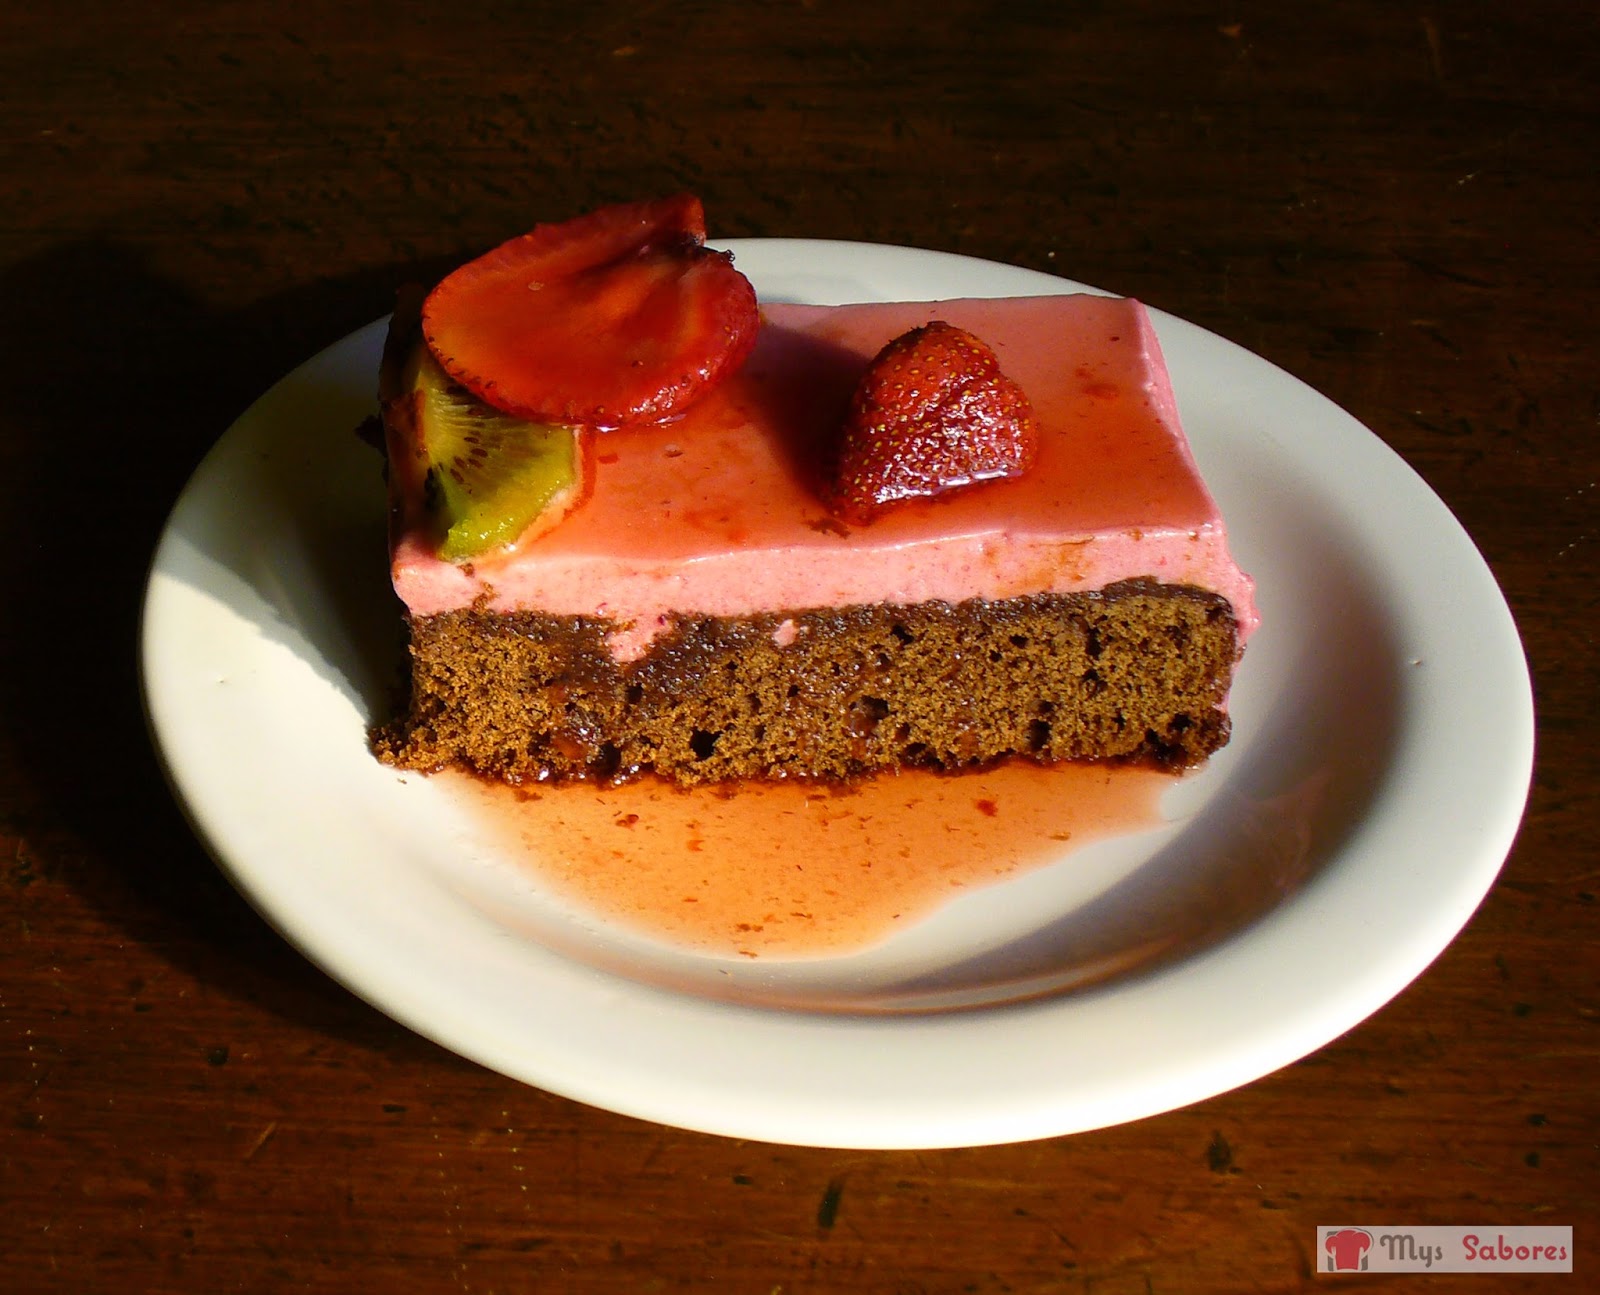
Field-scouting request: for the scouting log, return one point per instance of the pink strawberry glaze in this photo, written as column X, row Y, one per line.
column 715, row 512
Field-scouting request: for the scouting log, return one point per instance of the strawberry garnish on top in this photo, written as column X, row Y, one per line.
column 933, row 413
column 617, row 317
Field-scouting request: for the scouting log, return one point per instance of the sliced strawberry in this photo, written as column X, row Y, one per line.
column 932, row 413
column 619, row 316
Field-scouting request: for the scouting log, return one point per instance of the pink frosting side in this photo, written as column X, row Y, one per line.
column 716, row 513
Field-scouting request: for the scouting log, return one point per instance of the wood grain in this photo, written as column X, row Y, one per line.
column 1397, row 205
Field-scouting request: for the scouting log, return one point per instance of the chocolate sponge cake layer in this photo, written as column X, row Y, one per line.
column 1136, row 672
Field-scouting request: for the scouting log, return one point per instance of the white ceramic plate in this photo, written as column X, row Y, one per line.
column 1380, row 764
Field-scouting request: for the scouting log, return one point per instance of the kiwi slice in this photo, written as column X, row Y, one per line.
column 489, row 479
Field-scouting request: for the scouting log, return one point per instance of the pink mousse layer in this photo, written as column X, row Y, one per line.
column 716, row 513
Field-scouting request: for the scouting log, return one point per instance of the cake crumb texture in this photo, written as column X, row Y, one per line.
column 1138, row 672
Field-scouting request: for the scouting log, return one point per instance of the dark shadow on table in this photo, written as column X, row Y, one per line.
column 118, row 382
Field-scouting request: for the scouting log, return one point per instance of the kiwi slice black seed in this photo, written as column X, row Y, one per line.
column 490, row 477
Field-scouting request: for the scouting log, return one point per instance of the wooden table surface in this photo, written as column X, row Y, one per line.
column 1395, row 204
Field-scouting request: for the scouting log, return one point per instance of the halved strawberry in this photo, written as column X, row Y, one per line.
column 932, row 413
column 619, row 316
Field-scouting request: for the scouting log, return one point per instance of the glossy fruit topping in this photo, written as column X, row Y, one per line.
column 486, row 480
column 616, row 317
column 932, row 413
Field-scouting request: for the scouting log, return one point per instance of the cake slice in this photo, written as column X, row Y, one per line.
column 703, row 615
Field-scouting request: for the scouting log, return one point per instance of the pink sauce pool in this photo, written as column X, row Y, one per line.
column 792, row 869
